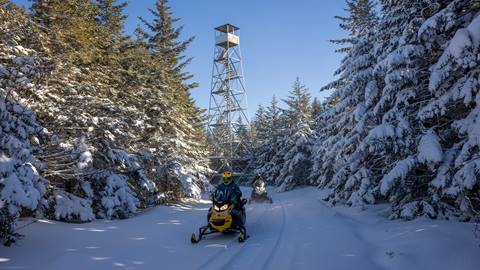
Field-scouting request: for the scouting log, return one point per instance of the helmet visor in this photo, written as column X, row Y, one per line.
column 227, row 174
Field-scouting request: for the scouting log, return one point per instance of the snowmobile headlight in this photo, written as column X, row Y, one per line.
column 216, row 208
column 224, row 207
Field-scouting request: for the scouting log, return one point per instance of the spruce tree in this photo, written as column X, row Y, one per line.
column 22, row 67
column 111, row 18
column 275, row 118
column 317, row 108
column 298, row 102
column 295, row 153
column 267, row 159
column 341, row 123
column 400, row 73
column 262, row 126
column 164, row 39
column 72, row 26
column 181, row 123
column 117, row 110
column 449, row 147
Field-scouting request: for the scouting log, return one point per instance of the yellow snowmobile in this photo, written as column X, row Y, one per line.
column 221, row 220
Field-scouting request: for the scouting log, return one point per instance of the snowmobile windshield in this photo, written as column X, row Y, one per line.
column 259, row 183
column 221, row 196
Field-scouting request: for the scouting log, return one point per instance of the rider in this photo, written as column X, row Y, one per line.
column 230, row 191
column 259, row 182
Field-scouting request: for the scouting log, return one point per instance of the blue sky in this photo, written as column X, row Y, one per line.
column 280, row 39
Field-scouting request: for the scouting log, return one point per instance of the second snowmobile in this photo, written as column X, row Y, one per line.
column 259, row 192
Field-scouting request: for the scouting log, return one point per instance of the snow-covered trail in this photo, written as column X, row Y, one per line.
column 297, row 231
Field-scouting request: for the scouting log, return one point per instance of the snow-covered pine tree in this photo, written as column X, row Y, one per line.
column 182, row 131
column 244, row 134
column 261, row 125
column 401, row 74
column 297, row 159
column 86, row 99
column 118, row 111
column 296, row 141
column 341, row 125
column 276, row 120
column 21, row 186
column 129, row 111
column 164, row 40
column 398, row 156
column 267, row 160
column 298, row 105
column 450, row 147
column 317, row 109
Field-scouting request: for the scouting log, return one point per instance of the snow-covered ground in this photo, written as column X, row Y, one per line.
column 297, row 231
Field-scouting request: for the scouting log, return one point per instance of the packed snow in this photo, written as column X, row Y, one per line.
column 297, row 231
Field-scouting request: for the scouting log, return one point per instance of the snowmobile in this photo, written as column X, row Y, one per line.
column 221, row 220
column 259, row 194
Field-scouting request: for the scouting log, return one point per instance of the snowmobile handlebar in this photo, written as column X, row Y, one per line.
column 244, row 201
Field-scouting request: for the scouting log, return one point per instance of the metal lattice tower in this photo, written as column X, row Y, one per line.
column 227, row 121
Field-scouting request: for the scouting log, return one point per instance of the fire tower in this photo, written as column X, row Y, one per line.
column 228, row 124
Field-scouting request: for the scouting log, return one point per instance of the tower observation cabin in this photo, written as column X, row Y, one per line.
column 226, row 36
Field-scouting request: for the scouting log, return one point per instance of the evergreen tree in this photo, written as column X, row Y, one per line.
column 21, row 186
column 180, row 123
column 111, row 19
column 317, row 109
column 266, row 159
column 123, row 129
column 135, row 72
column 298, row 111
column 284, row 157
column 261, row 125
column 295, row 142
column 243, row 134
column 269, row 159
column 297, row 164
column 275, row 118
column 400, row 73
column 341, row 123
column 163, row 40
column 449, row 147
column 73, row 29
column 373, row 142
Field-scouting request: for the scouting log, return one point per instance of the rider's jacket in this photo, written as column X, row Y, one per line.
column 230, row 192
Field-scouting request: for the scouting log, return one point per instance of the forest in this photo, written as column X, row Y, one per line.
column 97, row 124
